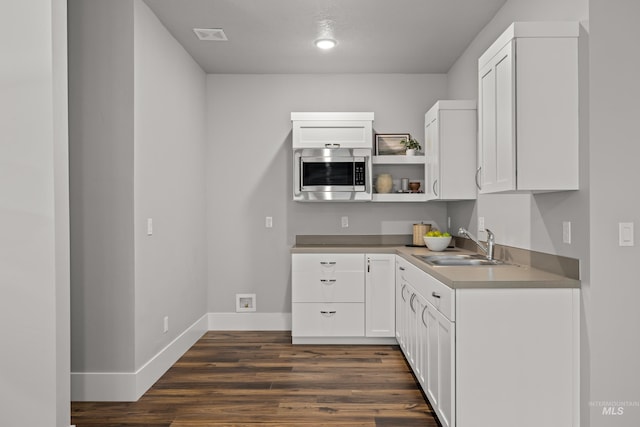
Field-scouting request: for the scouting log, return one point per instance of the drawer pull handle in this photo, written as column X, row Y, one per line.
column 328, row 281
column 411, row 303
column 327, row 263
column 332, row 145
column 327, row 313
column 402, row 292
column 401, row 268
column 433, row 294
column 477, row 183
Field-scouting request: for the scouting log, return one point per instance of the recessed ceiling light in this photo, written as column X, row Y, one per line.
column 212, row 34
column 326, row 44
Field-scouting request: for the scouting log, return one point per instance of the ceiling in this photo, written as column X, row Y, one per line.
column 374, row 36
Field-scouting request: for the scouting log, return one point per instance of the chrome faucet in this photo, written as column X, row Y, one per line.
column 491, row 241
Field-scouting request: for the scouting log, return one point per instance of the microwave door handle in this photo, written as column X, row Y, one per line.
column 297, row 183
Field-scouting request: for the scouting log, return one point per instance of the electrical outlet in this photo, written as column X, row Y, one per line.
column 268, row 222
column 166, row 324
column 149, row 226
column 345, row 221
column 480, row 224
column 566, row 232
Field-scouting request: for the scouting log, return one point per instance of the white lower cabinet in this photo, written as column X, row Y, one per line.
column 379, row 295
column 429, row 337
column 517, row 357
column 491, row 357
column 342, row 298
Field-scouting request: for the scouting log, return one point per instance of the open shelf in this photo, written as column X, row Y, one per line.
column 399, row 197
column 397, row 160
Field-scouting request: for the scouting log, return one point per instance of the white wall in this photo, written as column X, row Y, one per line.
column 34, row 244
column 249, row 118
column 169, row 177
column 61, row 181
column 615, row 90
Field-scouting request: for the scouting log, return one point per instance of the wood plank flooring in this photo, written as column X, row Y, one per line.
column 259, row 378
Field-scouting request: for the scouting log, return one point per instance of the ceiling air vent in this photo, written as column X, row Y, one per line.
column 213, row 34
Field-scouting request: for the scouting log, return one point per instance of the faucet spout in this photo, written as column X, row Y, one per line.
column 488, row 249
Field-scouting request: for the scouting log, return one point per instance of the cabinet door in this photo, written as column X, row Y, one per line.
column 440, row 365
column 380, row 295
column 332, row 133
column 431, row 149
column 432, row 356
column 497, row 151
column 423, row 328
column 422, row 340
column 401, row 301
column 446, row 370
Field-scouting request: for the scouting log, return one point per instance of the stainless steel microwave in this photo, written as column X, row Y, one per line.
column 332, row 174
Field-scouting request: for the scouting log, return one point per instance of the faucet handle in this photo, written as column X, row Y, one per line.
column 490, row 235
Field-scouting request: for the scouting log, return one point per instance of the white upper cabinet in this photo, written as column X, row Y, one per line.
column 332, row 130
column 528, row 109
column 450, row 149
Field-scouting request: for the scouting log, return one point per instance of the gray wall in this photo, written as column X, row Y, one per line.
column 249, row 116
column 34, row 243
column 609, row 91
column 170, row 108
column 535, row 221
column 137, row 149
column 101, row 145
column 521, row 220
column 615, row 90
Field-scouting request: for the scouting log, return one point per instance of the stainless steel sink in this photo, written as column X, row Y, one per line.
column 458, row 260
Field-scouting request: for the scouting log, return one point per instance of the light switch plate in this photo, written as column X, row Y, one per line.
column 345, row 221
column 268, row 222
column 480, row 224
column 149, row 226
column 566, row 232
column 625, row 234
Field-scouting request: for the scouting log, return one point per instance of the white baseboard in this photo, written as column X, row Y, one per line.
column 345, row 340
column 249, row 321
column 130, row 386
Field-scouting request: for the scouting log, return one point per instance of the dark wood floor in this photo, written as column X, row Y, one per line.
column 259, row 378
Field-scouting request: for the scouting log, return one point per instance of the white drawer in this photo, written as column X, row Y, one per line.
column 327, row 264
column 410, row 273
column 338, row 287
column 327, row 320
column 441, row 297
column 437, row 293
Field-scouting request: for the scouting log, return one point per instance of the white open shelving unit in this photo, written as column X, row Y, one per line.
column 400, row 166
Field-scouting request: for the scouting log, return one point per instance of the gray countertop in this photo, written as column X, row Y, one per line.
column 457, row 277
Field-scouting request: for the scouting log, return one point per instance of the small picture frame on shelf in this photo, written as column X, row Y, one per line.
column 388, row 144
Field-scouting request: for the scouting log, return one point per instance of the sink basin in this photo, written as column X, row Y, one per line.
column 457, row 260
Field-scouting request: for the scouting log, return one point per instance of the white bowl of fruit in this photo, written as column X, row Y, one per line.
column 437, row 241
